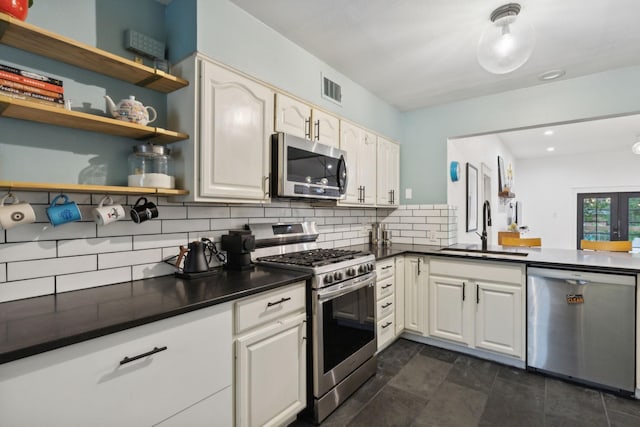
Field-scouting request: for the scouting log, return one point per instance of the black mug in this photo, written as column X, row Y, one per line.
column 143, row 210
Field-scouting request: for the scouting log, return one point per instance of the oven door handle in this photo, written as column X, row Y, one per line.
column 368, row 279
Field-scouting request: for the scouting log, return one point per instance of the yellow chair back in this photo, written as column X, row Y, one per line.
column 606, row 245
column 522, row 241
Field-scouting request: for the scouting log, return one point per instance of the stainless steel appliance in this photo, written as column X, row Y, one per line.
column 341, row 306
column 581, row 326
column 307, row 169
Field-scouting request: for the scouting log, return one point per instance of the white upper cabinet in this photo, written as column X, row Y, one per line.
column 360, row 146
column 297, row 118
column 388, row 170
column 232, row 118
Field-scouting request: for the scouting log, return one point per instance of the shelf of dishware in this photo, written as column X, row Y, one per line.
column 21, row 35
column 88, row 188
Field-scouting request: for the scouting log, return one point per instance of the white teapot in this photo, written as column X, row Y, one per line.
column 130, row 110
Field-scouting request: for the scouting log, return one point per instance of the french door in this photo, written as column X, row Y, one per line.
column 608, row 216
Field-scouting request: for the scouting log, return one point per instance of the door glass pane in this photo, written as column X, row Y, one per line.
column 634, row 218
column 596, row 217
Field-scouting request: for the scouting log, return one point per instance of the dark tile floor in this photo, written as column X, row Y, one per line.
column 419, row 385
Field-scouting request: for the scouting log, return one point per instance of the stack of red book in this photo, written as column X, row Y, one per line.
column 29, row 86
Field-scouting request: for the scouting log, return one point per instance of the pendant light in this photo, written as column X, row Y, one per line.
column 507, row 43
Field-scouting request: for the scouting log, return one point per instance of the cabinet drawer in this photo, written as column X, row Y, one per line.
column 385, row 331
column 104, row 391
column 384, row 288
column 385, row 307
column 385, row 269
column 268, row 306
column 479, row 270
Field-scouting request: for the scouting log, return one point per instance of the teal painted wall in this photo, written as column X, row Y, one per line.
column 424, row 143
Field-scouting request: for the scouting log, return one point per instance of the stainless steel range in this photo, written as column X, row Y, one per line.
column 341, row 305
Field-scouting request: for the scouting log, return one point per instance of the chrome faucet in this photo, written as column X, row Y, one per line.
column 486, row 221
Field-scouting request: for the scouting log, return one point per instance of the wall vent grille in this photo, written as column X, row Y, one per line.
column 331, row 90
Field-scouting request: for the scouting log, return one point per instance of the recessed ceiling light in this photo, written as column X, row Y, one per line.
column 551, row 148
column 551, row 75
column 548, row 132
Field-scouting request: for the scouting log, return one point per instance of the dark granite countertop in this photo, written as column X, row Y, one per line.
column 35, row 325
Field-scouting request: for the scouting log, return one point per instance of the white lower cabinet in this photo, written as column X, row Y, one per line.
column 271, row 357
column 137, row 377
column 478, row 304
column 214, row 411
column 416, row 275
column 399, row 295
column 385, row 302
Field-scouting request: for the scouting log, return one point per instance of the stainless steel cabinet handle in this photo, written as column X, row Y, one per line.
column 477, row 294
column 155, row 350
column 386, row 325
column 318, row 130
column 271, row 304
column 387, row 305
column 464, row 285
column 386, row 267
column 387, row 286
column 307, row 128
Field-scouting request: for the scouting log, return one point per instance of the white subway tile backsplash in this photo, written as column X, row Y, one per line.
column 119, row 259
column 437, row 220
column 324, row 212
column 414, row 219
column 228, row 224
column 27, row 288
column 176, row 225
column 209, row 212
column 39, row 232
column 149, row 241
column 3, row 273
column 94, row 246
column 424, row 241
column 172, row 212
column 276, row 212
column 128, row 228
column 341, row 243
column 412, row 233
column 247, row 212
column 335, row 220
column 146, row 271
column 90, row 279
column 24, row 251
column 302, row 212
column 50, row 267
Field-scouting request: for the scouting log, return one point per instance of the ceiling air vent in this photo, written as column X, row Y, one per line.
column 331, row 90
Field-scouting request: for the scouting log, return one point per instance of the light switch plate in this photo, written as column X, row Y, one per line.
column 408, row 193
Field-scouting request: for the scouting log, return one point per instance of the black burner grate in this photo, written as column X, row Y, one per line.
column 314, row 257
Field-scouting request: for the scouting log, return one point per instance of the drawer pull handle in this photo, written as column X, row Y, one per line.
column 386, row 286
column 386, row 267
column 271, row 304
column 386, row 325
column 155, row 350
column 387, row 305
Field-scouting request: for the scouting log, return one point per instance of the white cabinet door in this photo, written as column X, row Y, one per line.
column 388, row 161
column 415, row 294
column 350, row 142
column 214, row 411
column 293, row 117
column 449, row 315
column 236, row 123
column 326, row 128
column 367, row 167
column 92, row 383
column 271, row 373
column 399, row 295
column 360, row 147
column 499, row 319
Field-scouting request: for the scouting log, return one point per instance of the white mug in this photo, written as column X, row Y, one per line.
column 15, row 213
column 104, row 215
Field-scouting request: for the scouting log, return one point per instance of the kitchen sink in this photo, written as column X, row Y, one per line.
column 481, row 252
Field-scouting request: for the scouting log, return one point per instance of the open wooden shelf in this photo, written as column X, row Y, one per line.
column 36, row 112
column 21, row 35
column 88, row 188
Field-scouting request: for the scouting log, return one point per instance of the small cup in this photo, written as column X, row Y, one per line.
column 15, row 213
column 104, row 215
column 67, row 211
column 143, row 210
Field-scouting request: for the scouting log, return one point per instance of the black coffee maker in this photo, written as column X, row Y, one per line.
column 238, row 244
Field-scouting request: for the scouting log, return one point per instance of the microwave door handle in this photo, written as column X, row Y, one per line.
column 342, row 168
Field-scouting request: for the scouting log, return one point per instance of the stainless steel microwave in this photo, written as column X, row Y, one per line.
column 306, row 169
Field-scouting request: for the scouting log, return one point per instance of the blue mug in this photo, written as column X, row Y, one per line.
column 62, row 213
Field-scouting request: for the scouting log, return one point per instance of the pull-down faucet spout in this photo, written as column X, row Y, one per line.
column 486, row 221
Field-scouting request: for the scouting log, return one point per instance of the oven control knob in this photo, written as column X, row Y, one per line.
column 362, row 269
column 370, row 267
column 351, row 271
column 328, row 279
column 337, row 275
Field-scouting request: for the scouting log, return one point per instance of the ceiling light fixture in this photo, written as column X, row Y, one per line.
column 505, row 45
column 548, row 132
column 551, row 75
column 636, row 147
column 551, row 149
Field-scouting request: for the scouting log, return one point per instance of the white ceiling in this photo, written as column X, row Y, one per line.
column 418, row 53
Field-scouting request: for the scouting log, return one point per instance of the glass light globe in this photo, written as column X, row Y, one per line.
column 505, row 45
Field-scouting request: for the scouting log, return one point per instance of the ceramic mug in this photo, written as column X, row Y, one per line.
column 15, row 213
column 106, row 214
column 67, row 211
column 143, row 210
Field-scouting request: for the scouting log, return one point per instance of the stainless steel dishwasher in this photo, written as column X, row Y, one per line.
column 581, row 326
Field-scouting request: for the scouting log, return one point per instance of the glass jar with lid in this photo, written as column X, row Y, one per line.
column 151, row 166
